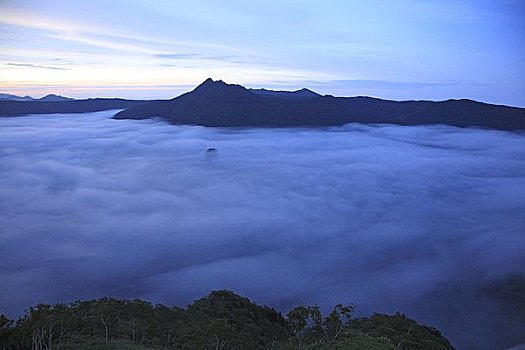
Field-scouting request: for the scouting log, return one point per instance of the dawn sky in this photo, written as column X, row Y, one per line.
column 398, row 49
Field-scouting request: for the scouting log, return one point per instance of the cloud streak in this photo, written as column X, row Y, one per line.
column 30, row 65
column 194, row 56
column 425, row 220
column 382, row 84
column 107, row 36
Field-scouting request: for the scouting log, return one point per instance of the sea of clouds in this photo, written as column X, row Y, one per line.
column 427, row 220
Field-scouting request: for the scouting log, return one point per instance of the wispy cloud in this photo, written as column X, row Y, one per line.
column 367, row 84
column 104, row 36
column 196, row 59
column 89, row 39
column 384, row 84
column 400, row 85
column 177, row 56
column 92, row 36
column 194, row 56
column 30, row 65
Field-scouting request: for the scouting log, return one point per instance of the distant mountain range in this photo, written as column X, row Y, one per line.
column 47, row 98
column 215, row 103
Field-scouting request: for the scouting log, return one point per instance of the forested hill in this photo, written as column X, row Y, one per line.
column 10, row 108
column 215, row 103
column 221, row 320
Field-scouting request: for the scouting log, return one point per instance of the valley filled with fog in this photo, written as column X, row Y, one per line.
column 427, row 220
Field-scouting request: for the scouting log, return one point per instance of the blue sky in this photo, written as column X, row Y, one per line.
column 398, row 49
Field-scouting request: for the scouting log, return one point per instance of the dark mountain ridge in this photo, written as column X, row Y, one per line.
column 47, row 98
column 54, row 104
column 53, row 97
column 215, row 103
column 9, row 97
column 298, row 94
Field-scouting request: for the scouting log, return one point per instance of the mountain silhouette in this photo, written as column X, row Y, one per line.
column 215, row 103
column 47, row 98
column 9, row 97
column 56, row 98
column 58, row 104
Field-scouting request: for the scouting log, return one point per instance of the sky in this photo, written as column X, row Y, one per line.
column 397, row 49
column 425, row 220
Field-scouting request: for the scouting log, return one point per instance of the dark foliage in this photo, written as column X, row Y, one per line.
column 403, row 332
column 221, row 320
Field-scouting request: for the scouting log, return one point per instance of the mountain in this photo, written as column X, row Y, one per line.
column 47, row 98
column 58, row 104
column 9, row 97
column 215, row 103
column 54, row 98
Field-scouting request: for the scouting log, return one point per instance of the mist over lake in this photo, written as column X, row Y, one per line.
column 427, row 220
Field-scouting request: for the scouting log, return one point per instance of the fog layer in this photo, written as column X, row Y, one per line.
column 426, row 220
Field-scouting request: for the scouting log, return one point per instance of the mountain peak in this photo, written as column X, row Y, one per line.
column 206, row 82
column 304, row 92
column 54, row 98
column 210, row 82
column 210, row 86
